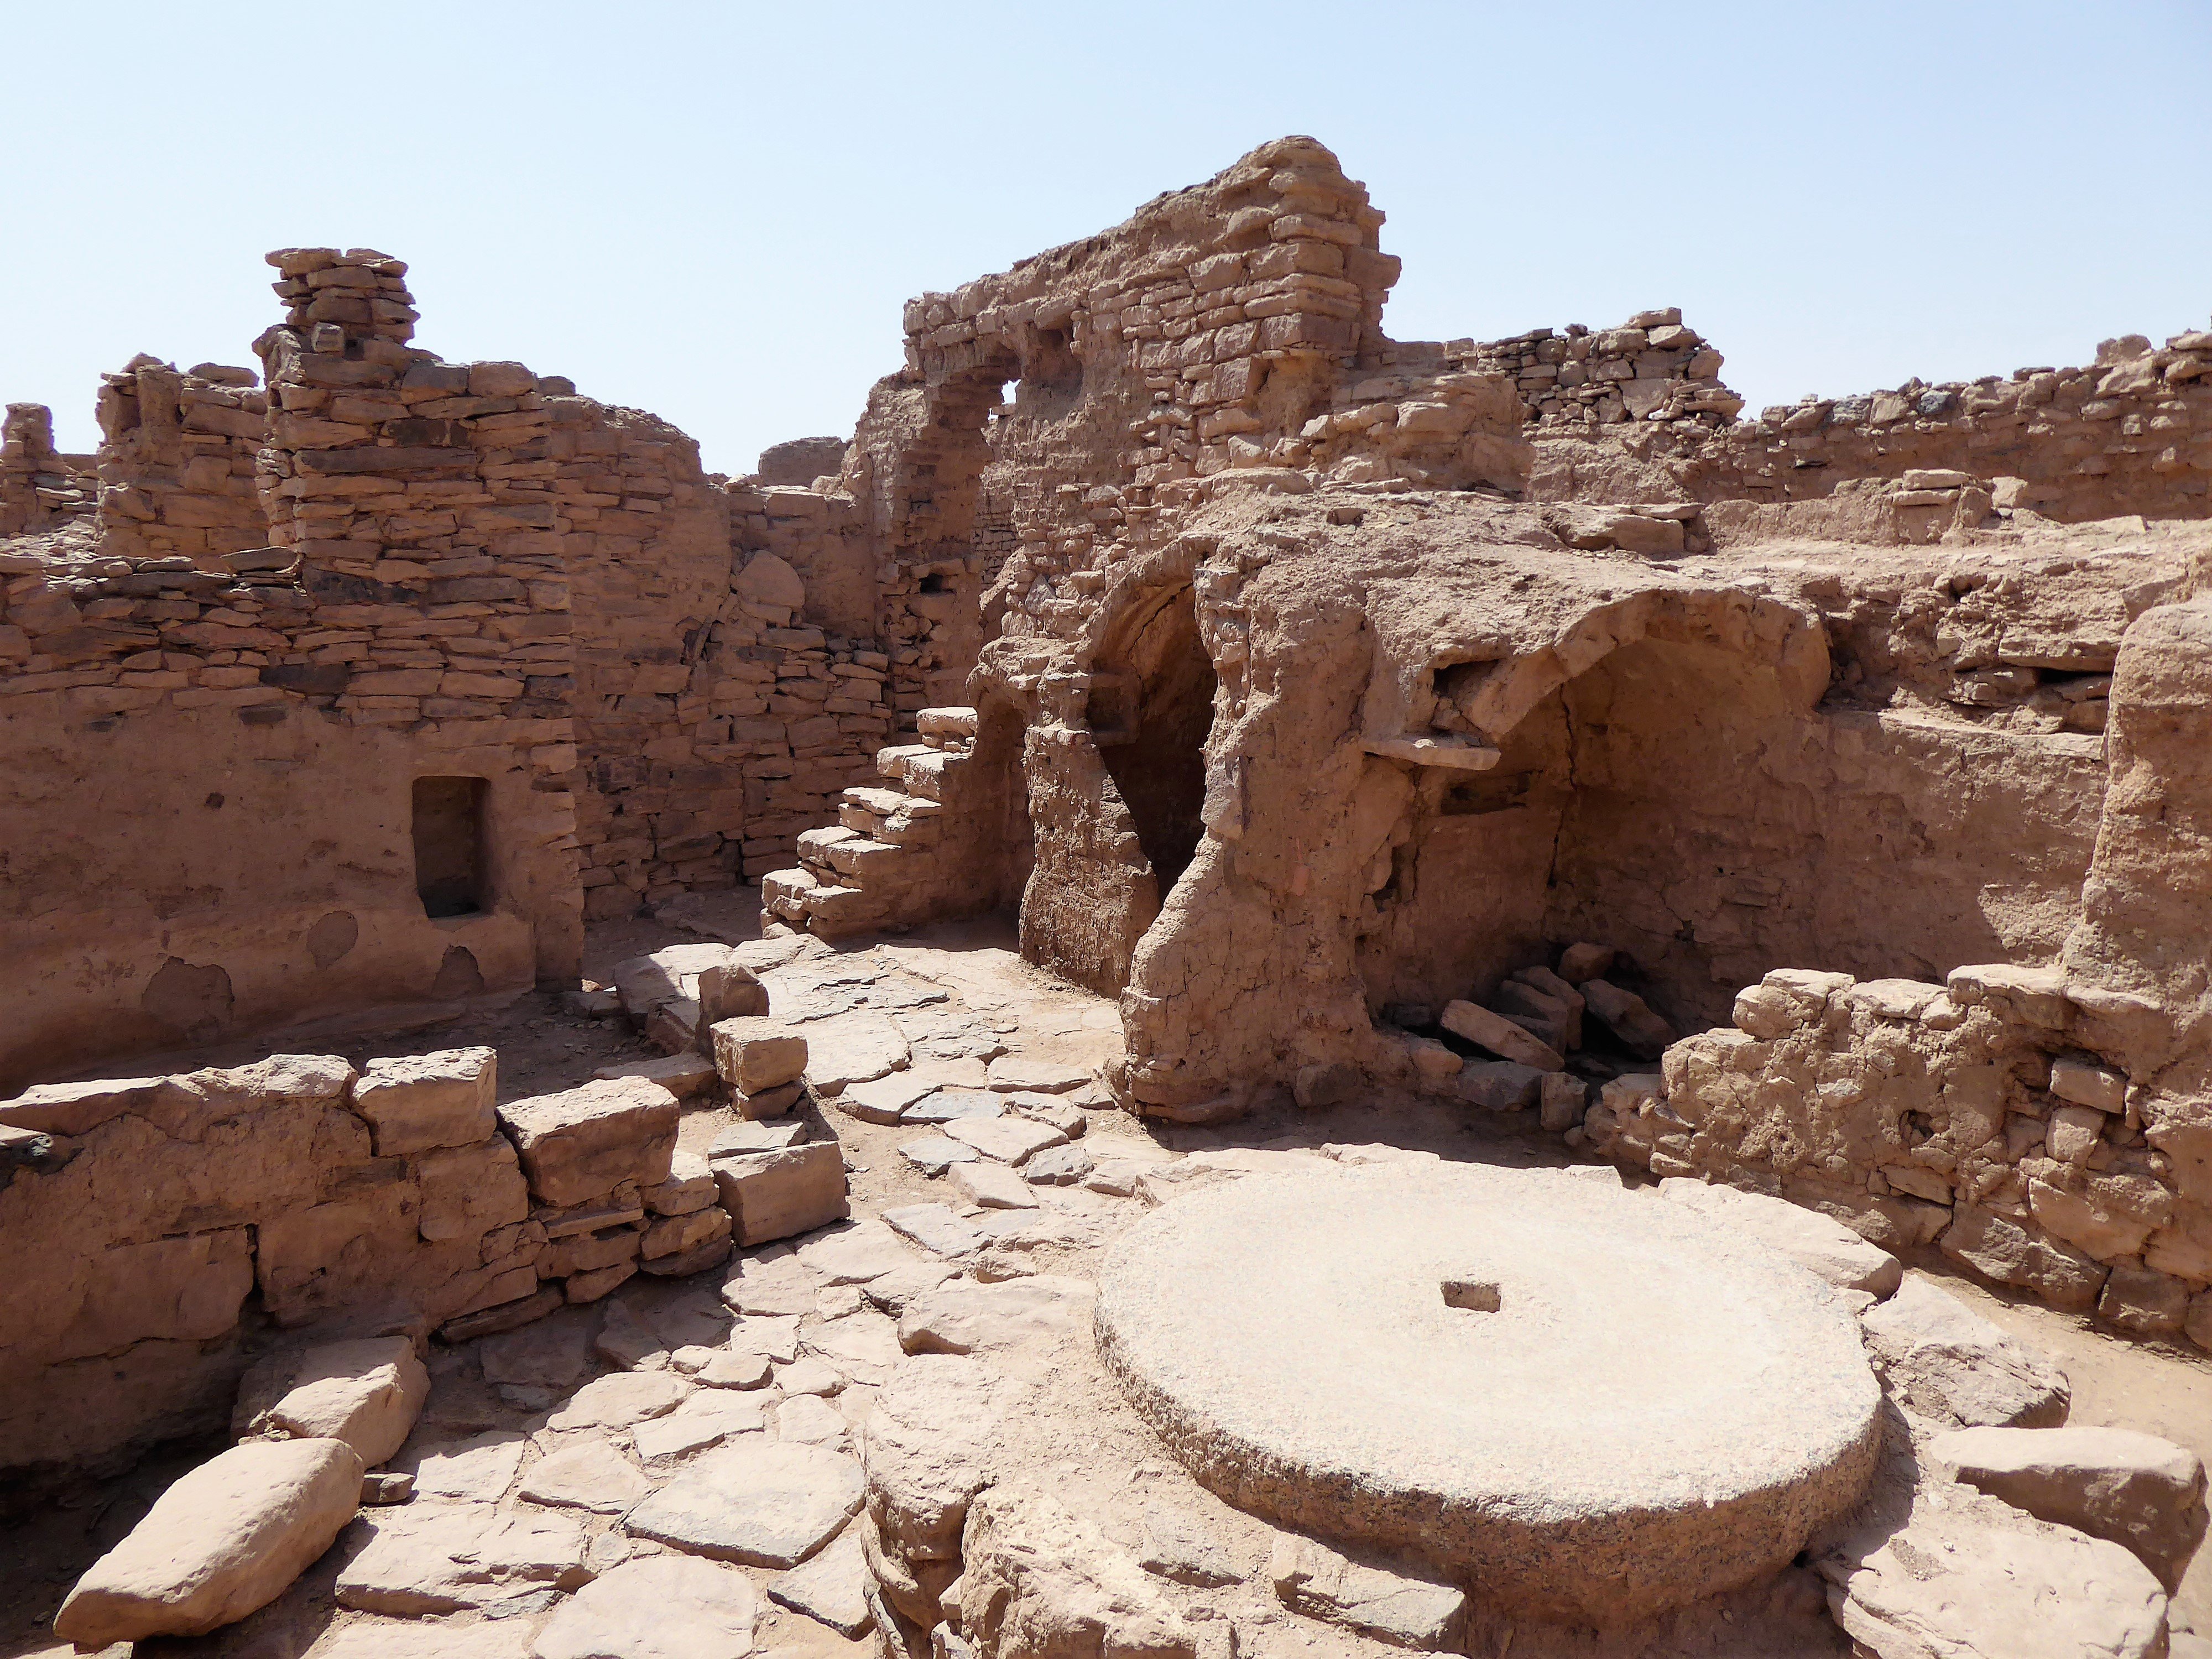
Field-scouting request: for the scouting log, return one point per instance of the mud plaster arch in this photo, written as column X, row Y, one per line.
column 1651, row 791
column 1115, row 760
column 1149, row 712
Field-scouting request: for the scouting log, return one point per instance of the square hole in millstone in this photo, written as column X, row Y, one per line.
column 1476, row 1295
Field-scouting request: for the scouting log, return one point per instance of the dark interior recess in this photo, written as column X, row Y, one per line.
column 1150, row 726
column 449, row 851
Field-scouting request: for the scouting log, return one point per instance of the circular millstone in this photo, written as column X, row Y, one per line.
column 1585, row 1404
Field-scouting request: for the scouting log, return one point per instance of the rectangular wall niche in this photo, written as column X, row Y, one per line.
column 449, row 855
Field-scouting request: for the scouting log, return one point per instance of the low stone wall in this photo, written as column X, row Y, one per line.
column 161, row 1226
column 1650, row 368
column 2129, row 433
column 1970, row 1115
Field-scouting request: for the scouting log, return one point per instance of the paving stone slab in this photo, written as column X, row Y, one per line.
column 763, row 1503
column 478, row 1470
column 829, row 1587
column 590, row 1476
column 656, row 1606
column 437, row 1557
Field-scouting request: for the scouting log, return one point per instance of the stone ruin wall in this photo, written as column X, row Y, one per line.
column 1991, row 664
column 41, row 487
column 170, row 1229
column 1049, row 551
column 275, row 621
column 177, row 462
column 1219, row 331
column 2131, row 434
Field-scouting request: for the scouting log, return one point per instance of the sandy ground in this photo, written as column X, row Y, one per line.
column 994, row 996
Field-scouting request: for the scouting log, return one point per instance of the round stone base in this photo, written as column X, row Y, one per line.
column 1582, row 1403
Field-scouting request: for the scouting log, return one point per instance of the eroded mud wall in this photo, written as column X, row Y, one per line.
column 214, row 875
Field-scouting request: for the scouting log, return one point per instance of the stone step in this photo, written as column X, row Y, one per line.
column 940, row 726
column 783, row 894
column 874, row 799
column 925, row 773
column 914, row 829
column 892, row 761
column 814, row 844
column 858, row 860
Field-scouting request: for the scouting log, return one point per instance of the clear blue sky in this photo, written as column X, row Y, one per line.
column 714, row 211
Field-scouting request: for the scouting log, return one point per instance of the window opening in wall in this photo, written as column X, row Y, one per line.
column 449, row 852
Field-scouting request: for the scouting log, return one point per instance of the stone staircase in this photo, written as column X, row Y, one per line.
column 888, row 862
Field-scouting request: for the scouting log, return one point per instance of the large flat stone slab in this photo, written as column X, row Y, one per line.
column 855, row 1047
column 765, row 1502
column 2138, row 1491
column 224, row 1541
column 1594, row 1406
column 438, row 1557
column 1974, row 1580
column 1946, row 1362
column 1823, row 1247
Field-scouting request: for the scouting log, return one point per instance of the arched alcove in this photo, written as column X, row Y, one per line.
column 1657, row 800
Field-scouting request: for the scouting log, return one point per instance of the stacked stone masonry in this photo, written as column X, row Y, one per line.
column 168, row 1228
column 1305, row 495
column 40, row 489
column 400, row 567
column 1812, row 808
column 1285, row 677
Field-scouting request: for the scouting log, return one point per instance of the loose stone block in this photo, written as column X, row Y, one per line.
column 366, row 1393
column 1628, row 1017
column 580, row 1143
column 414, row 1102
column 1948, row 1363
column 778, row 1194
column 223, row 1540
column 1499, row 1035
column 2140, row 1491
column 1406, row 1613
column 756, row 1054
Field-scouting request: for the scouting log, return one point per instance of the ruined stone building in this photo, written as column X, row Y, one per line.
column 1814, row 803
